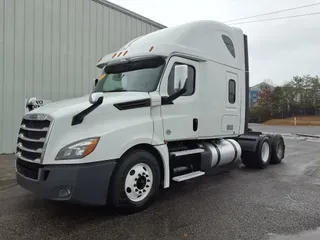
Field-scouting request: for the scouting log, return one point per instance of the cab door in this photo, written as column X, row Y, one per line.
column 181, row 118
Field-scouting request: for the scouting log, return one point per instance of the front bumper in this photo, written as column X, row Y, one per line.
column 83, row 183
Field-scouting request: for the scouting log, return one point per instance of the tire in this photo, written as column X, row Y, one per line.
column 261, row 157
column 135, row 182
column 278, row 149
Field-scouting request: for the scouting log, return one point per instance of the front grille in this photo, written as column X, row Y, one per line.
column 32, row 137
column 31, row 145
column 36, row 123
column 28, row 169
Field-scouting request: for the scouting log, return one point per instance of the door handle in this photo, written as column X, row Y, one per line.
column 195, row 124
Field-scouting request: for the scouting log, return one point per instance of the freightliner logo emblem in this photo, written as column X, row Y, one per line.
column 37, row 117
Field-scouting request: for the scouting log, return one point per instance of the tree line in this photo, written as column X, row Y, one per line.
column 299, row 97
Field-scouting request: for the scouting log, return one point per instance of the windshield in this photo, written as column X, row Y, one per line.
column 133, row 75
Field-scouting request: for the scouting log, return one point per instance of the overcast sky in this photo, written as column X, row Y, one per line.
column 278, row 49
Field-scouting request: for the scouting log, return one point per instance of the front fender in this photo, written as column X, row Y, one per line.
column 117, row 135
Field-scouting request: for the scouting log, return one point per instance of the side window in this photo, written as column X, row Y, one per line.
column 228, row 42
column 190, row 83
column 232, row 91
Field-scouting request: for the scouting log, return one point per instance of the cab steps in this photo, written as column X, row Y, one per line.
column 188, row 176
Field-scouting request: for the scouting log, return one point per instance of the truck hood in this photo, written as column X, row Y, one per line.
column 111, row 123
column 76, row 105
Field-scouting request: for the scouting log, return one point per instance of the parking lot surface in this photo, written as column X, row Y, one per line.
column 312, row 130
column 280, row 202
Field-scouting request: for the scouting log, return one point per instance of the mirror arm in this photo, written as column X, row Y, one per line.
column 78, row 118
column 171, row 98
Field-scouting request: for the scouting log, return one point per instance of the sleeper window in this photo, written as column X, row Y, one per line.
column 229, row 44
column 232, row 91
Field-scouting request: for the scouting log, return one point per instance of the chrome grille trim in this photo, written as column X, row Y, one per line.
column 21, row 136
column 34, row 129
column 18, row 154
column 29, row 150
column 34, row 133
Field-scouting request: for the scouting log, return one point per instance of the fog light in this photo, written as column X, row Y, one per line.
column 64, row 193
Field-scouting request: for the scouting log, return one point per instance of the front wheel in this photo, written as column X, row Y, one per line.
column 135, row 182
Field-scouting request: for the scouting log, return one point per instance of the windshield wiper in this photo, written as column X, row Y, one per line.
column 117, row 90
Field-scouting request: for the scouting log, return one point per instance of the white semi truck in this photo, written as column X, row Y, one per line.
column 168, row 106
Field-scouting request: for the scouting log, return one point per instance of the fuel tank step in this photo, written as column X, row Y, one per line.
column 188, row 176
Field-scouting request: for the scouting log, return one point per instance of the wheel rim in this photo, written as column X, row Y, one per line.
column 280, row 150
column 265, row 152
column 138, row 182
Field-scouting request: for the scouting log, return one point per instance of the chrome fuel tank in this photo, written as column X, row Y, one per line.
column 224, row 151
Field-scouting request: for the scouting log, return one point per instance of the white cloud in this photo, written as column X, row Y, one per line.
column 278, row 49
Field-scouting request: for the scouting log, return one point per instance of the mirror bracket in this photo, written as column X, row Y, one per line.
column 96, row 99
column 169, row 100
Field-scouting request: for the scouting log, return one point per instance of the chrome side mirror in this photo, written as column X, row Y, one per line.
column 180, row 76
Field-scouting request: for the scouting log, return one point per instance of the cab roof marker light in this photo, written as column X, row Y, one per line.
column 119, row 54
column 150, row 50
column 125, row 53
column 114, row 55
column 99, row 60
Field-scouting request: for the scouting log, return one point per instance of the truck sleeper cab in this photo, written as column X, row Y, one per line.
column 168, row 106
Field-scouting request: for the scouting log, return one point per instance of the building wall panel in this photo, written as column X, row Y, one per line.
column 49, row 49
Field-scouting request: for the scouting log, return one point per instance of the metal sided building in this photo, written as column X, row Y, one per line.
column 49, row 49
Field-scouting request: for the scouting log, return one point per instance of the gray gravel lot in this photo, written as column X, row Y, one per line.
column 279, row 202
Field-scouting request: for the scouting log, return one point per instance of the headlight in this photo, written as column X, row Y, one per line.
column 78, row 149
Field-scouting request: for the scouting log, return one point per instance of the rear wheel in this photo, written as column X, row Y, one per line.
column 278, row 149
column 135, row 182
column 261, row 157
